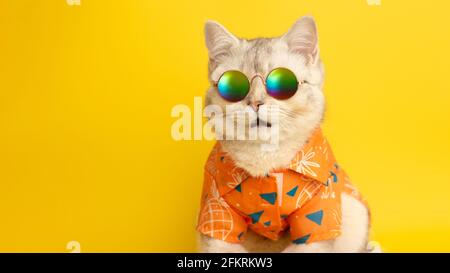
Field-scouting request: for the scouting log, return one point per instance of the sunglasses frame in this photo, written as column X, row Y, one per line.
column 263, row 79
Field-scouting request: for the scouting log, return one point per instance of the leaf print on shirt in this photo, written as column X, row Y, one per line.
column 216, row 218
column 336, row 215
column 305, row 163
column 238, row 177
column 324, row 149
column 211, row 165
column 307, row 193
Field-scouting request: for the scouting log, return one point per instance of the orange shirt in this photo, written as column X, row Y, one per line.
column 304, row 198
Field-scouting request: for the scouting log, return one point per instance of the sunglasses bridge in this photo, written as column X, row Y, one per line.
column 263, row 80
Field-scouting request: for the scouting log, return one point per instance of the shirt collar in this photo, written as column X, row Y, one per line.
column 314, row 161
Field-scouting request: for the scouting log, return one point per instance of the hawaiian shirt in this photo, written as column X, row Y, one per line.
column 304, row 198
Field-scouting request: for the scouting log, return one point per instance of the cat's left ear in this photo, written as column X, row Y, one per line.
column 303, row 39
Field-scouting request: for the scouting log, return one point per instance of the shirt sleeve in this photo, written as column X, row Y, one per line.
column 319, row 219
column 217, row 219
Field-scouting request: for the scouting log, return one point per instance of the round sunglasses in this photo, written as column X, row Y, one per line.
column 281, row 83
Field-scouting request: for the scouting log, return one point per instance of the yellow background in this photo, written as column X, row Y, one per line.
column 86, row 93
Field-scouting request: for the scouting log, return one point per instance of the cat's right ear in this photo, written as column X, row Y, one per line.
column 302, row 38
column 218, row 40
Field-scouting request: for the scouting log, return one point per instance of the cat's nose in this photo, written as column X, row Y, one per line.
column 255, row 105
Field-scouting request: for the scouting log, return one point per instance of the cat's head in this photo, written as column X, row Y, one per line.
column 296, row 50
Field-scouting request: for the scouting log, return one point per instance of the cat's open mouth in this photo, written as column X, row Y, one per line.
column 259, row 122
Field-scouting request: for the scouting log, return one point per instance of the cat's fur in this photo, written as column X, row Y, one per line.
column 298, row 51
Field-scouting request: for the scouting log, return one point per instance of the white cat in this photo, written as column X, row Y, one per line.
column 299, row 115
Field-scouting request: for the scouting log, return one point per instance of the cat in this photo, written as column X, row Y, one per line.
column 299, row 117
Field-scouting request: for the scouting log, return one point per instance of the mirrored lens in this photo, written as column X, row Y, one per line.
column 233, row 86
column 281, row 83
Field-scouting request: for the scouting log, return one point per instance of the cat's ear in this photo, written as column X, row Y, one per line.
column 302, row 38
column 218, row 40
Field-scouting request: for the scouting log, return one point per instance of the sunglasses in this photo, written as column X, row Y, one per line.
column 281, row 83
